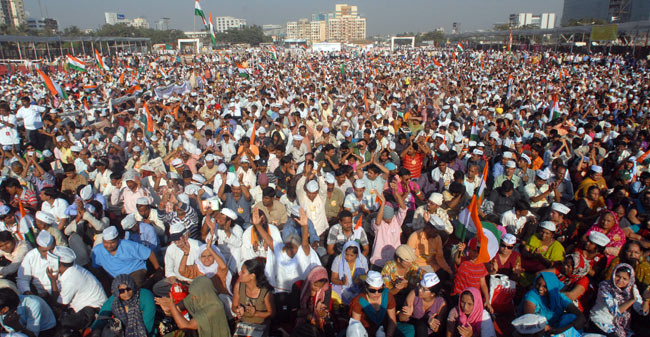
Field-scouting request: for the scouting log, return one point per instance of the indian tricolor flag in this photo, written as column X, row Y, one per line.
column 100, row 62
column 53, row 87
column 554, row 110
column 274, row 53
column 470, row 219
column 460, row 47
column 474, row 132
column 358, row 228
column 75, row 63
column 243, row 70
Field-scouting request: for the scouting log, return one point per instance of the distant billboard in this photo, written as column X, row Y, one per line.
column 326, row 47
column 121, row 16
column 604, row 32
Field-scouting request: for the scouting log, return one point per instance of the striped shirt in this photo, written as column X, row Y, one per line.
column 29, row 198
column 469, row 274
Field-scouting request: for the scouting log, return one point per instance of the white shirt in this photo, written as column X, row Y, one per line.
column 173, row 257
column 283, row 271
column 79, row 289
column 230, row 247
column 315, row 209
column 247, row 250
column 31, row 117
column 33, row 271
column 103, row 182
column 57, row 208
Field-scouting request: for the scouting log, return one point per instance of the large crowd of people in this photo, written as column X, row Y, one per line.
column 288, row 192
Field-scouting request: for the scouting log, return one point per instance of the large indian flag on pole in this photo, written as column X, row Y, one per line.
column 197, row 9
column 75, row 63
column 470, row 219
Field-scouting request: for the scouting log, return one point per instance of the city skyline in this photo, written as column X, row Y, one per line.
column 383, row 16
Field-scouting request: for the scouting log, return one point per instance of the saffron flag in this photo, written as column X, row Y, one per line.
column 149, row 127
column 75, row 63
column 54, row 88
column 483, row 185
column 470, row 219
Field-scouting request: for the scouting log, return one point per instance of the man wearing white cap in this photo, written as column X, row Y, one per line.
column 117, row 256
column 181, row 245
column 540, row 193
column 335, row 198
column 32, row 271
column 140, row 232
column 209, row 170
column 130, row 193
column 508, row 174
column 311, row 192
column 149, row 215
column 76, row 289
column 297, row 148
column 433, row 207
column 46, row 222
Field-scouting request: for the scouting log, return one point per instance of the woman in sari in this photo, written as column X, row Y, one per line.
column 546, row 299
column 425, row 307
column 469, row 318
column 205, row 307
column 131, row 306
column 315, row 295
column 347, row 269
column 573, row 275
column 608, row 224
column 541, row 252
column 611, row 312
column 587, row 208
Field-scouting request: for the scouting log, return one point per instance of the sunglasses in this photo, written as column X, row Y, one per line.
column 374, row 291
column 508, row 247
column 124, row 290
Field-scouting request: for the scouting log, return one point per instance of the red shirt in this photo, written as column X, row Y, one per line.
column 413, row 164
column 469, row 274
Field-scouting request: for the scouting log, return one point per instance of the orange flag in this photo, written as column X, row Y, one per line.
column 483, row 255
column 149, row 119
column 253, row 136
column 359, row 222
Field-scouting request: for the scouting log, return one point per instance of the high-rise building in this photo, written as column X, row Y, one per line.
column 529, row 20
column 347, row 25
column 299, row 30
column 13, row 13
column 225, row 23
column 43, row 24
column 163, row 24
column 140, row 22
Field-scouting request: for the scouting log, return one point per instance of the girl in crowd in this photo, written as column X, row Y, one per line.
column 425, row 307
column 469, row 319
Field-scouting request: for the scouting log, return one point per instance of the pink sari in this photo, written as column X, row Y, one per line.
column 615, row 234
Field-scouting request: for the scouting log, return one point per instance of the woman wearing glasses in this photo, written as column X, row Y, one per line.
column 130, row 310
column 507, row 261
column 375, row 307
column 425, row 308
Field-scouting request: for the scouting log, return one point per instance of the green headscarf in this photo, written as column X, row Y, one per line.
column 207, row 309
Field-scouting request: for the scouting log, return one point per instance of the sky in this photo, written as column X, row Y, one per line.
column 382, row 16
